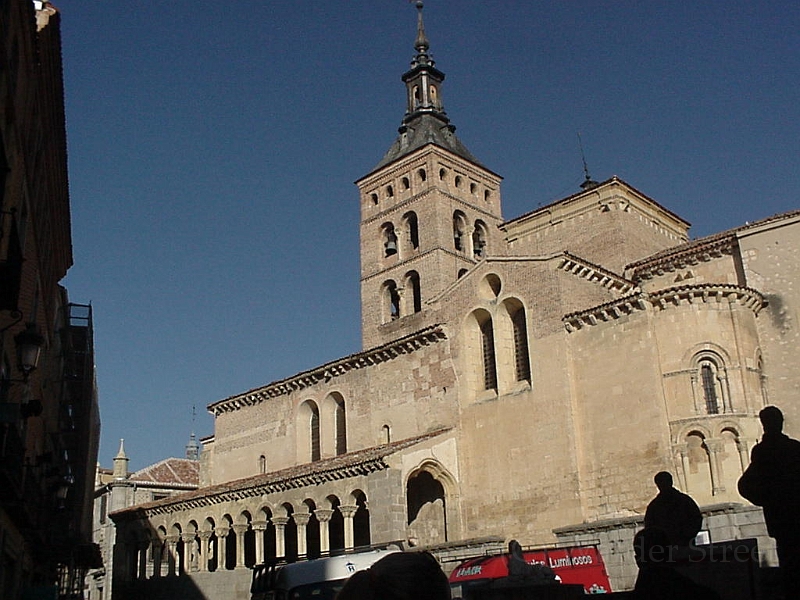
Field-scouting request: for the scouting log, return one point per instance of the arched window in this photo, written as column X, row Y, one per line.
column 412, row 228
column 389, row 240
column 361, row 521
column 422, row 175
column 487, row 350
column 479, row 239
column 412, row 284
column 308, row 431
column 391, row 299
column 406, row 183
column 262, row 464
column 314, row 430
column 387, row 434
column 458, row 181
column 341, row 426
column 521, row 358
column 461, row 273
column 389, row 191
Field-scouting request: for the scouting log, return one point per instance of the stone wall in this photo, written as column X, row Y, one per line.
column 615, row 538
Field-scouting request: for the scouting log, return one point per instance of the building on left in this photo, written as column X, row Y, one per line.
column 49, row 417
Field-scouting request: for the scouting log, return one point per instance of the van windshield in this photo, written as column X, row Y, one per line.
column 324, row 590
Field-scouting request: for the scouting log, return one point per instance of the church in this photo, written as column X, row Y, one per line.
column 519, row 378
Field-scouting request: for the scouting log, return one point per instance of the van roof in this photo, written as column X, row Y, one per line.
column 327, row 569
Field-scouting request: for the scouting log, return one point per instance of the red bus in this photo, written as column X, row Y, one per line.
column 577, row 565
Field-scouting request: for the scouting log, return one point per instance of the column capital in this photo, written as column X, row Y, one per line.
column 187, row 537
column 323, row 514
column 205, row 535
column 259, row 525
column 348, row 510
column 301, row 519
column 222, row 531
column 280, row 521
column 239, row 528
column 714, row 444
column 172, row 539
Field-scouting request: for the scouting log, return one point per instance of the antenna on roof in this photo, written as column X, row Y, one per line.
column 588, row 182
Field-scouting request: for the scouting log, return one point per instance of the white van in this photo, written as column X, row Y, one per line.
column 319, row 579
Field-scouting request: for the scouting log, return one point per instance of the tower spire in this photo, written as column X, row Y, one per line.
column 421, row 44
column 425, row 120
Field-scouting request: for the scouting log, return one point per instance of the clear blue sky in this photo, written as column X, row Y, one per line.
column 213, row 147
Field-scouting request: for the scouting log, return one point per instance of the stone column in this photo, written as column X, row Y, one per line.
column 324, row 517
column 188, row 551
column 280, row 531
column 348, row 512
column 240, row 529
column 142, row 548
column 301, row 520
column 172, row 553
column 715, row 446
column 222, row 547
column 725, row 388
column 682, row 453
column 157, row 550
column 694, row 392
column 744, row 445
column 259, row 527
column 205, row 547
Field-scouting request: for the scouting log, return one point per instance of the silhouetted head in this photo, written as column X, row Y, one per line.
column 651, row 546
column 663, row 481
column 399, row 576
column 771, row 419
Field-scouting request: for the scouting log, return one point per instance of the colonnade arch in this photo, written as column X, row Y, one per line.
column 229, row 540
column 710, row 457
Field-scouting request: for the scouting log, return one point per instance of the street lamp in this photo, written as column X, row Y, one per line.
column 29, row 344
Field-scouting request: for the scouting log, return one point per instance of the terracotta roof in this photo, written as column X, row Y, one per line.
column 704, row 244
column 352, row 464
column 576, row 195
column 170, row 472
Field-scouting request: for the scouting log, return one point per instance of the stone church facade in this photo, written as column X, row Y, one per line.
column 520, row 378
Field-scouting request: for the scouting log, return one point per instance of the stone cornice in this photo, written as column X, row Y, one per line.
column 326, row 372
column 663, row 300
column 595, row 273
column 609, row 311
column 710, row 292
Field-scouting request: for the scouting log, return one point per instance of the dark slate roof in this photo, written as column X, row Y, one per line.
column 170, row 472
column 358, row 462
column 424, row 130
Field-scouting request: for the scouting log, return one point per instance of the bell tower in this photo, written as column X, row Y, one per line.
column 429, row 210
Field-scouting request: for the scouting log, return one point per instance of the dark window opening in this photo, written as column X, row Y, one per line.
column 710, row 389
column 521, row 358
column 489, row 364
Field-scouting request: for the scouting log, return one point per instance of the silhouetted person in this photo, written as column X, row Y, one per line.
column 772, row 481
column 521, row 570
column 673, row 512
column 657, row 577
column 399, row 576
